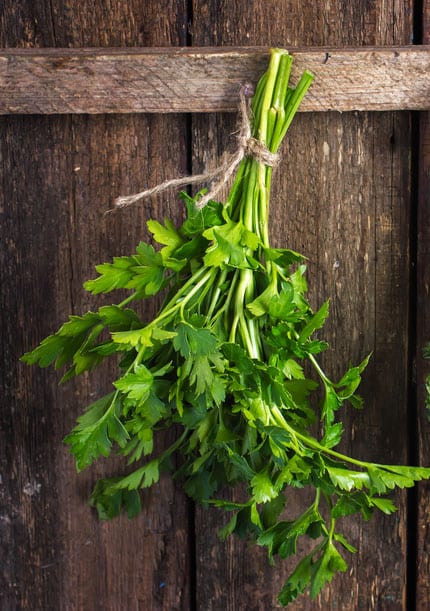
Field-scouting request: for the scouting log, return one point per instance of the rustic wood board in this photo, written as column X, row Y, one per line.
column 49, row 81
column 341, row 197
column 59, row 175
column 421, row 451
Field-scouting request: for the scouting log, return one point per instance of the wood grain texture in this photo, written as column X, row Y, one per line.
column 59, row 175
column 92, row 81
column 341, row 197
column 422, row 431
column 422, row 365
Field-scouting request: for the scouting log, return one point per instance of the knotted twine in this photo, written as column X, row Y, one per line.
column 217, row 178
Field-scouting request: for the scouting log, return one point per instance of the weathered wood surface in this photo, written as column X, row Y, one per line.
column 422, row 448
column 423, row 366
column 50, row 81
column 59, row 175
column 341, row 197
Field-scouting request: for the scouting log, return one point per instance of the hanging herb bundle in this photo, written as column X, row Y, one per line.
column 222, row 364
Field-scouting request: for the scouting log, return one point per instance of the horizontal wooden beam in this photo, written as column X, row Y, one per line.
column 49, row 81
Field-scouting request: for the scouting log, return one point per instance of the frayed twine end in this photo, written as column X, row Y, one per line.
column 217, row 178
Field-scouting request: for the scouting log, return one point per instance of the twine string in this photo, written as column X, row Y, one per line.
column 217, row 178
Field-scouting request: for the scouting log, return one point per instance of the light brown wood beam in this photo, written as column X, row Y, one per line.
column 134, row 80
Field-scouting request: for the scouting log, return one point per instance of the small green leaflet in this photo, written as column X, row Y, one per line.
column 167, row 235
column 200, row 219
column 261, row 304
column 228, row 529
column 109, row 501
column 119, row 319
column 172, row 240
column 348, row 480
column 95, row 432
column 63, row 345
column 136, row 385
column 193, row 342
column 284, row 306
column 323, row 570
column 385, row 505
column 76, row 342
column 297, row 582
column 141, row 442
column 313, row 573
column 282, row 537
column 230, row 244
column 344, row 543
column 292, row 370
column 202, row 374
column 141, row 478
column 203, row 360
column 263, row 489
column 282, row 256
column 388, row 477
column 316, row 322
column 144, row 337
column 115, row 275
column 143, row 272
column 332, row 435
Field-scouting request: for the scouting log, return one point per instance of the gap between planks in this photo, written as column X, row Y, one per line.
column 175, row 80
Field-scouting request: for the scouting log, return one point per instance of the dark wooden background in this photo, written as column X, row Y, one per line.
column 351, row 194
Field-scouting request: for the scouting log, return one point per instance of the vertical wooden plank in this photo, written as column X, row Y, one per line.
column 30, row 509
column 341, row 197
column 59, row 175
column 423, row 338
column 423, row 366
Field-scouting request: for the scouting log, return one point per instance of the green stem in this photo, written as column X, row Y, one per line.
column 317, row 498
column 174, row 446
column 332, row 519
column 313, row 443
column 205, row 280
column 247, row 208
column 318, row 369
column 136, row 361
column 216, row 293
column 272, row 75
column 294, row 103
column 225, row 309
column 245, row 294
column 195, row 277
column 236, row 189
column 174, row 305
column 128, row 299
column 247, row 337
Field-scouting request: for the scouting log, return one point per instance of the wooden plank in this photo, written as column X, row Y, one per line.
column 341, row 197
column 49, row 81
column 422, row 365
column 59, row 175
column 422, row 339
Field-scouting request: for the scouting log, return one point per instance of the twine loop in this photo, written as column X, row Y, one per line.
column 217, row 178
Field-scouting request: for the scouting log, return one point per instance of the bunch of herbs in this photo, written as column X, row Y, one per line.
column 223, row 365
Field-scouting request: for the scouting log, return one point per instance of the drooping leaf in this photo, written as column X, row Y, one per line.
column 95, row 432
column 324, row 569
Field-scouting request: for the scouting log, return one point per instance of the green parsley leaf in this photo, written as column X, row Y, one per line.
column 95, row 432
column 325, row 568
